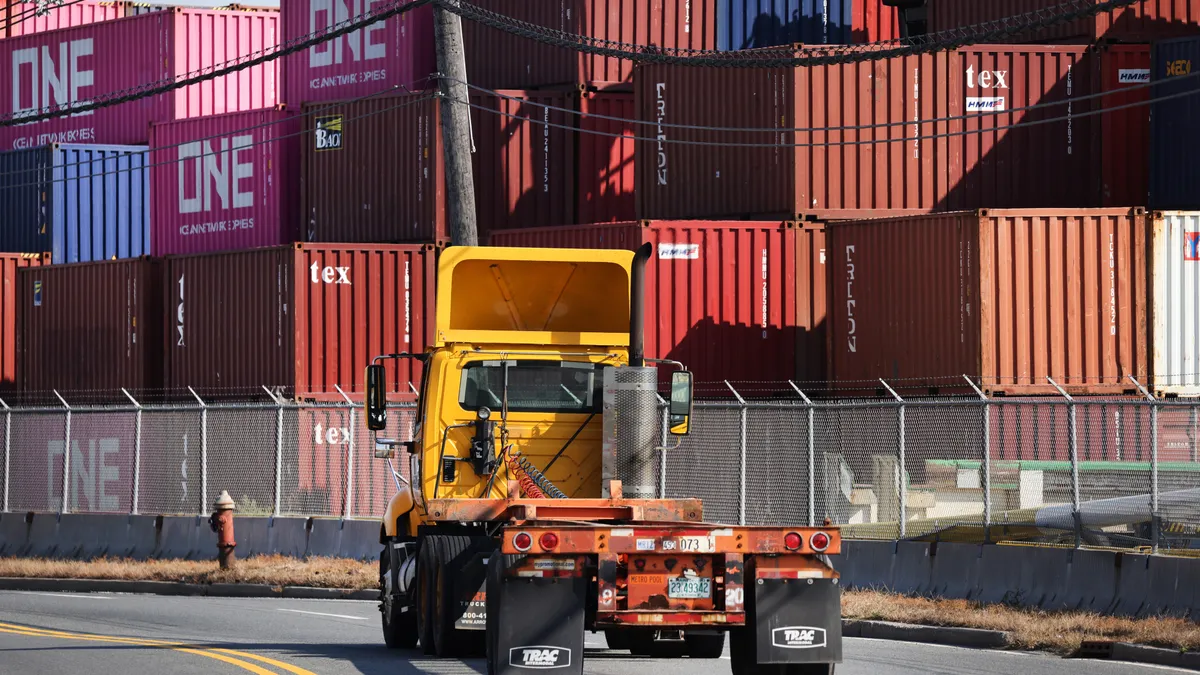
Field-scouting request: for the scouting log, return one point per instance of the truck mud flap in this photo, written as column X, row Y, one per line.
column 471, row 591
column 797, row 620
column 534, row 625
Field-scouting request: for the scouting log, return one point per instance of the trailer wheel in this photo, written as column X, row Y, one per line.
column 705, row 646
column 399, row 627
column 423, row 607
column 617, row 639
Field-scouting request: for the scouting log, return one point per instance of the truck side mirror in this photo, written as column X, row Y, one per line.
column 376, row 398
column 680, row 410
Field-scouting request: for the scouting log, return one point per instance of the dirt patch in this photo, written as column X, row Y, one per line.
column 1060, row 632
column 274, row 570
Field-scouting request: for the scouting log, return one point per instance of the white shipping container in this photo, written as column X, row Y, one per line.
column 1175, row 302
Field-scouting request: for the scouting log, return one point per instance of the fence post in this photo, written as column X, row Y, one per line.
column 1155, row 516
column 64, row 506
column 203, row 449
column 812, row 459
column 7, row 449
column 137, row 450
column 278, row 449
column 350, row 457
column 742, row 459
column 986, row 464
column 662, row 446
column 1073, row 450
column 901, row 472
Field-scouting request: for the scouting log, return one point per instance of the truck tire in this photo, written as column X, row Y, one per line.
column 617, row 639
column 399, row 627
column 451, row 554
column 422, row 606
column 705, row 646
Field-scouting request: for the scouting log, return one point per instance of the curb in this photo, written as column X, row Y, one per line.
column 180, row 588
column 942, row 635
column 1124, row 651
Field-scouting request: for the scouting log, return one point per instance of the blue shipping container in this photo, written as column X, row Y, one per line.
column 753, row 24
column 1175, row 126
column 82, row 203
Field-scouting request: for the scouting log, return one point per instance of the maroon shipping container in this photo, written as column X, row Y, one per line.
column 10, row 305
column 606, row 179
column 730, row 300
column 1125, row 134
column 1012, row 297
column 91, row 327
column 498, row 59
column 1143, row 21
column 307, row 317
column 924, row 141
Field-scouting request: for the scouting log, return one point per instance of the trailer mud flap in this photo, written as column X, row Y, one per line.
column 798, row 621
column 534, row 624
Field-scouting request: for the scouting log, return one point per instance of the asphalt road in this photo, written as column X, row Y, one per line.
column 63, row 634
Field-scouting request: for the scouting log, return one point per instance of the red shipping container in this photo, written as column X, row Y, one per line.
column 225, row 182
column 498, row 59
column 91, row 327
column 1125, row 134
column 22, row 18
column 1140, row 22
column 1012, row 297
column 606, row 179
column 10, row 304
column 397, row 52
column 874, row 21
column 306, row 317
column 62, row 68
column 922, row 142
column 727, row 299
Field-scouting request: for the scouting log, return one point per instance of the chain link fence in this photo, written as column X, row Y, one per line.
column 1112, row 472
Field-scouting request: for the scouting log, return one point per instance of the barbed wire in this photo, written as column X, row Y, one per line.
column 776, row 57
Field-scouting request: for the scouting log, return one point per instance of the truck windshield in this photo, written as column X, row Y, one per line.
column 533, row 386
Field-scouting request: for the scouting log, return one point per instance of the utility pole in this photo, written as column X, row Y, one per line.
column 456, row 126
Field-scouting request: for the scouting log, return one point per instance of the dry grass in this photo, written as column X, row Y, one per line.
column 1060, row 632
column 274, row 570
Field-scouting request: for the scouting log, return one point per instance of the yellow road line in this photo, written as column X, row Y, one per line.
column 217, row 653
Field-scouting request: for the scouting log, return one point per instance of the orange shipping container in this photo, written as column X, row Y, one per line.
column 1011, row 297
column 9, row 307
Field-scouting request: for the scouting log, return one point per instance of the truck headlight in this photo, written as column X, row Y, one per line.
column 484, row 414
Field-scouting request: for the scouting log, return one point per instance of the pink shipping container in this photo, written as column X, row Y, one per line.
column 22, row 18
column 58, row 69
column 1011, row 297
column 398, row 52
column 501, row 60
column 225, row 182
column 1140, row 22
column 307, row 318
column 730, row 300
column 926, row 142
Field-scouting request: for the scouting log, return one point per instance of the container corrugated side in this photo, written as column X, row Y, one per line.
column 307, row 317
column 752, row 24
column 724, row 298
column 91, row 328
column 397, row 52
column 1140, row 22
column 1010, row 297
column 81, row 203
column 10, row 307
column 605, row 164
column 1125, row 134
column 129, row 53
column 1174, row 135
column 24, row 18
column 226, row 182
column 1175, row 302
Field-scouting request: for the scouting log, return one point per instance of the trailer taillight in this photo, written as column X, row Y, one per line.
column 522, row 542
column 819, row 542
column 792, row 541
column 548, row 541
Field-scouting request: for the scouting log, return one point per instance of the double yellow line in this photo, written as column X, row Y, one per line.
column 229, row 656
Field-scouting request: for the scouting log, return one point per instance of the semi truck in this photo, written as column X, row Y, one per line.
column 532, row 511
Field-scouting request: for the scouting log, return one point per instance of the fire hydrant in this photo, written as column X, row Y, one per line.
column 221, row 522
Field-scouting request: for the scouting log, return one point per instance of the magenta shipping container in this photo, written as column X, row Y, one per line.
column 23, row 18
column 225, row 182
column 391, row 53
column 64, row 68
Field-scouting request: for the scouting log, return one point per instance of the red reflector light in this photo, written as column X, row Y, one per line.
column 792, row 541
column 522, row 542
column 548, row 541
column 819, row 541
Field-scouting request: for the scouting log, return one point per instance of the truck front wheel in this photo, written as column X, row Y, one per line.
column 399, row 626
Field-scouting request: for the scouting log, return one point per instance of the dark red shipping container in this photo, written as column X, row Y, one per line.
column 924, row 140
column 1011, row 297
column 91, row 327
column 307, row 318
column 1140, row 22
column 10, row 305
column 499, row 59
column 606, row 177
column 1125, row 134
column 730, row 300
column 874, row 21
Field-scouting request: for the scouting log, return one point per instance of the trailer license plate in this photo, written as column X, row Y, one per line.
column 689, row 589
